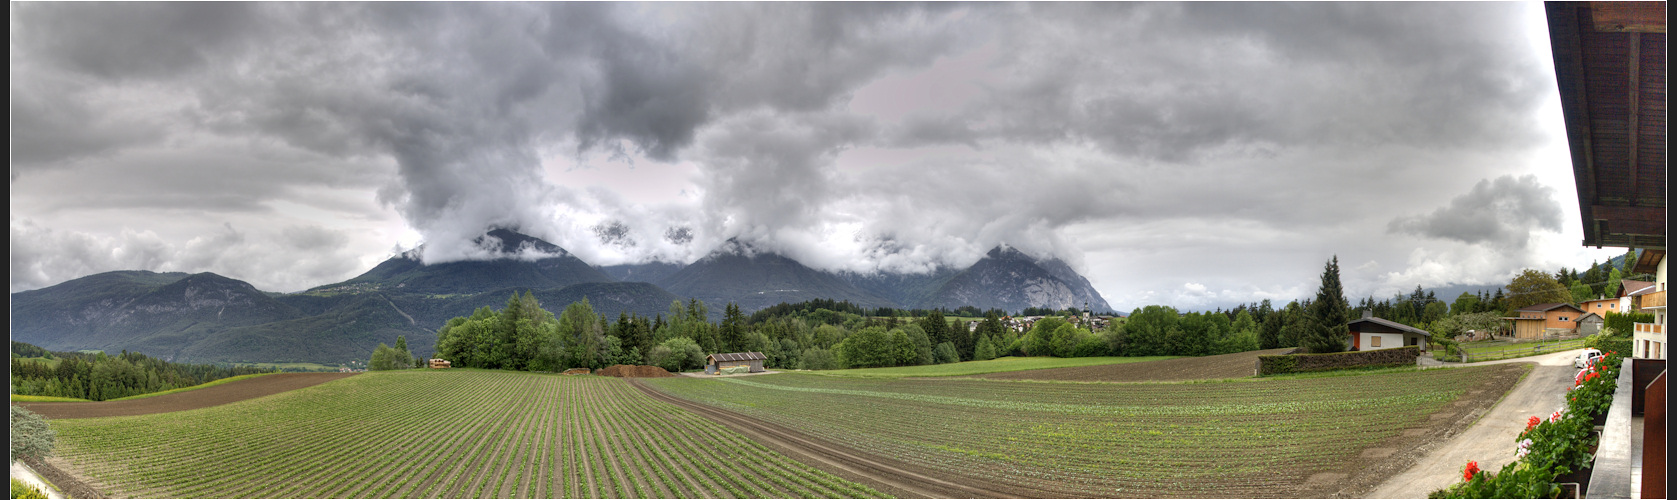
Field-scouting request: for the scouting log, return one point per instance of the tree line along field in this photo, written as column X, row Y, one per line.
column 423, row 434
column 1240, row 438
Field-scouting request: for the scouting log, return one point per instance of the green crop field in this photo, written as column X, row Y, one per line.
column 1007, row 364
column 438, row 434
column 1240, row 438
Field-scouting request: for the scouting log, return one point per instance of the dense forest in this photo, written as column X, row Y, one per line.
column 99, row 377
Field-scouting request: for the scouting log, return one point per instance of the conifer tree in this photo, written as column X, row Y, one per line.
column 1329, row 314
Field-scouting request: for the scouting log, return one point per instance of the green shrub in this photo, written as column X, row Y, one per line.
column 1610, row 340
column 1624, row 323
column 1314, row 362
column 1274, row 365
column 21, row 489
column 30, row 435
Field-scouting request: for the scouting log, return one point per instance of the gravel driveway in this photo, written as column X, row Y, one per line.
column 1490, row 441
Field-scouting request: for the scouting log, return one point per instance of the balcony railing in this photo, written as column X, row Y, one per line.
column 1655, row 299
column 1650, row 328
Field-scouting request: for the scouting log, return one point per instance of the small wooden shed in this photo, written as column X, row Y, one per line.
column 716, row 362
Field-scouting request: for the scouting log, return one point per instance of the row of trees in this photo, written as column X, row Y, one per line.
column 100, row 377
column 826, row 334
column 523, row 336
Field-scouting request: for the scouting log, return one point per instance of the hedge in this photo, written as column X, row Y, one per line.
column 1299, row 363
column 1624, row 323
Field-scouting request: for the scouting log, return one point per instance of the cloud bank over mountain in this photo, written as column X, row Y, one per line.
column 1233, row 147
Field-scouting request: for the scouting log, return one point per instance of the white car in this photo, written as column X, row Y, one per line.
column 1586, row 358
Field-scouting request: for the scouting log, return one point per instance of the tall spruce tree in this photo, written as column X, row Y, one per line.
column 1329, row 314
column 733, row 329
column 961, row 336
column 936, row 329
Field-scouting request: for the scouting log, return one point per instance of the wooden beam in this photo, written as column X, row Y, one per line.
column 1617, row 214
column 1635, row 75
column 1566, row 22
column 1628, row 17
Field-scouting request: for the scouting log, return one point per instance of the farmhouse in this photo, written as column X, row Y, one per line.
column 1602, row 306
column 439, row 363
column 1544, row 320
column 715, row 363
column 1370, row 333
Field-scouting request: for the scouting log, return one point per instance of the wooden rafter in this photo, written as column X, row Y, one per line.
column 1628, row 17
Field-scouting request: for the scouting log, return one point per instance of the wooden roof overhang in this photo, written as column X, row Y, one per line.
column 1610, row 68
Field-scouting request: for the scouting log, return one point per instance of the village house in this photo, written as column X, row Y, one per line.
column 1370, row 333
column 1546, row 320
column 1648, row 341
column 1633, row 293
column 1602, row 306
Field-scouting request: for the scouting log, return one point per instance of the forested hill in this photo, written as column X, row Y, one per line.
column 211, row 318
column 99, row 377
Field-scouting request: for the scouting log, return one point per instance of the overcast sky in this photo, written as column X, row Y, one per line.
column 1196, row 155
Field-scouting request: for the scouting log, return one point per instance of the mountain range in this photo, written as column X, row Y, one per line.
column 206, row 317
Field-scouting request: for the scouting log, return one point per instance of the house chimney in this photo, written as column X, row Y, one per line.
column 1368, row 313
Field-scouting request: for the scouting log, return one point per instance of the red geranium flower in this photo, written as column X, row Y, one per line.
column 1532, row 423
column 1472, row 468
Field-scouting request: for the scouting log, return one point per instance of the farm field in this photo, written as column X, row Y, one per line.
column 218, row 392
column 1257, row 438
column 1157, row 369
column 437, row 434
column 1007, row 364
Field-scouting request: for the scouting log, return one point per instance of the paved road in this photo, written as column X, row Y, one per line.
column 1490, row 441
column 23, row 473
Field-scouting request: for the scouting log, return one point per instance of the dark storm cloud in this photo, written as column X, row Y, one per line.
column 1502, row 213
column 851, row 136
column 52, row 123
column 1171, row 81
column 136, row 40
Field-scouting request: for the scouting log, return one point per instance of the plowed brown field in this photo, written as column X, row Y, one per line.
column 189, row 400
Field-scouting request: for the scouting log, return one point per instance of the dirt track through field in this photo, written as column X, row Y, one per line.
column 230, row 392
column 856, row 466
column 1237, row 365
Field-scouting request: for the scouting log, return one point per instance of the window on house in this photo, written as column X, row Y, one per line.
column 1374, row 341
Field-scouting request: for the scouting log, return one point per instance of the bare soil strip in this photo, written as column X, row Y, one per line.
column 897, row 480
column 1236, row 365
column 73, row 486
column 230, row 392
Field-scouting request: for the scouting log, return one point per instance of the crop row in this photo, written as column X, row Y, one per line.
column 457, row 434
column 1235, row 438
